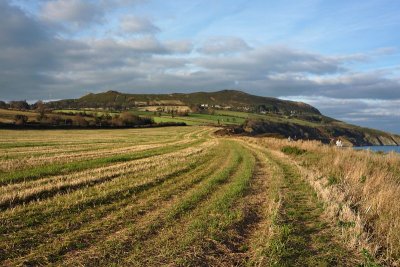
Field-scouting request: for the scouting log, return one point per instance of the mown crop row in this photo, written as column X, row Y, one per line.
column 153, row 197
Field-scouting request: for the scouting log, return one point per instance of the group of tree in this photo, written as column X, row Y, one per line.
column 20, row 119
column 72, row 104
column 18, row 105
column 125, row 119
column 21, row 105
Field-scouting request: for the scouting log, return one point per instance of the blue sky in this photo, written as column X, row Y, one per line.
column 341, row 56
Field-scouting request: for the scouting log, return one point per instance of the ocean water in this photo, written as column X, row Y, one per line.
column 380, row 148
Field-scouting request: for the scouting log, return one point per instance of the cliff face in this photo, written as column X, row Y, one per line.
column 388, row 140
column 325, row 133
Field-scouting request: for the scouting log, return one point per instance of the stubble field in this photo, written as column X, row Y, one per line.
column 175, row 196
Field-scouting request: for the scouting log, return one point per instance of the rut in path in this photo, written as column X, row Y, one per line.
column 306, row 238
column 289, row 232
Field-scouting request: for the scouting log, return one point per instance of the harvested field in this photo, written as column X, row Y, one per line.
column 176, row 196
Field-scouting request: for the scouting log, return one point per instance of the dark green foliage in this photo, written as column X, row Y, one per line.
column 20, row 105
column 332, row 179
column 345, row 224
column 368, row 260
column 20, row 119
column 3, row 104
column 293, row 150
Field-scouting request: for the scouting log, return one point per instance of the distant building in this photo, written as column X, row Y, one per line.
column 339, row 143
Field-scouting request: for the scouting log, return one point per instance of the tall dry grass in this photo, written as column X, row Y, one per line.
column 361, row 188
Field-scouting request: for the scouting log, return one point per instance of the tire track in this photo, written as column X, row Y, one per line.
column 304, row 236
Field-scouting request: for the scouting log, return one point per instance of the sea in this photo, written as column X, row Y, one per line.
column 385, row 149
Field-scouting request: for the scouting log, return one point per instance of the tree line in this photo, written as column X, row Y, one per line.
column 45, row 118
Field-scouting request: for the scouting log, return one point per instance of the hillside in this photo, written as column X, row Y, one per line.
column 229, row 99
column 256, row 115
column 351, row 135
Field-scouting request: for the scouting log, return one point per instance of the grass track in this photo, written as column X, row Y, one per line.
column 303, row 236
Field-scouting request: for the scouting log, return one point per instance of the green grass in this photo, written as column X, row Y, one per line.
column 300, row 236
column 190, row 202
column 201, row 217
column 333, row 179
column 152, row 226
column 292, row 150
column 53, row 169
column 161, row 182
column 223, row 119
column 191, row 119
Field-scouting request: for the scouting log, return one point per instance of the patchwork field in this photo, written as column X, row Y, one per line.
column 181, row 196
column 225, row 118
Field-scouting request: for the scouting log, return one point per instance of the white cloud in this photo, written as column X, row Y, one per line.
column 223, row 45
column 34, row 62
column 374, row 113
column 75, row 12
column 138, row 25
column 179, row 46
column 273, row 59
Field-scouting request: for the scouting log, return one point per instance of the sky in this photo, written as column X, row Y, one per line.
column 343, row 57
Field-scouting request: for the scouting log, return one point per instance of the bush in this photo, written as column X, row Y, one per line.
column 128, row 119
column 54, row 120
column 20, row 105
column 332, row 179
column 3, row 104
column 20, row 119
column 80, row 121
column 116, row 121
column 292, row 150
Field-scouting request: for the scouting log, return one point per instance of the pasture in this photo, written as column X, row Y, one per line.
column 150, row 112
column 179, row 196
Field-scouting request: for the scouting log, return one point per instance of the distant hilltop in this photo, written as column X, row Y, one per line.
column 225, row 99
column 248, row 114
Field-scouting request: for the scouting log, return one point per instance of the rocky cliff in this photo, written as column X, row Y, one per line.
column 326, row 133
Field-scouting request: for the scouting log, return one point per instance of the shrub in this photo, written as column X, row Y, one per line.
column 20, row 119
column 292, row 150
column 128, row 119
column 80, row 121
column 116, row 121
column 332, row 179
column 54, row 120
column 20, row 105
column 3, row 104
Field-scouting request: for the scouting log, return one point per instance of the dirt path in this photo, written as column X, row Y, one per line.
column 288, row 226
column 307, row 237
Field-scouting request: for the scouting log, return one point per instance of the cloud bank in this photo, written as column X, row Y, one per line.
column 37, row 62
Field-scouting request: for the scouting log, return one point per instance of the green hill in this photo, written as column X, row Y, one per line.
column 256, row 115
column 232, row 99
